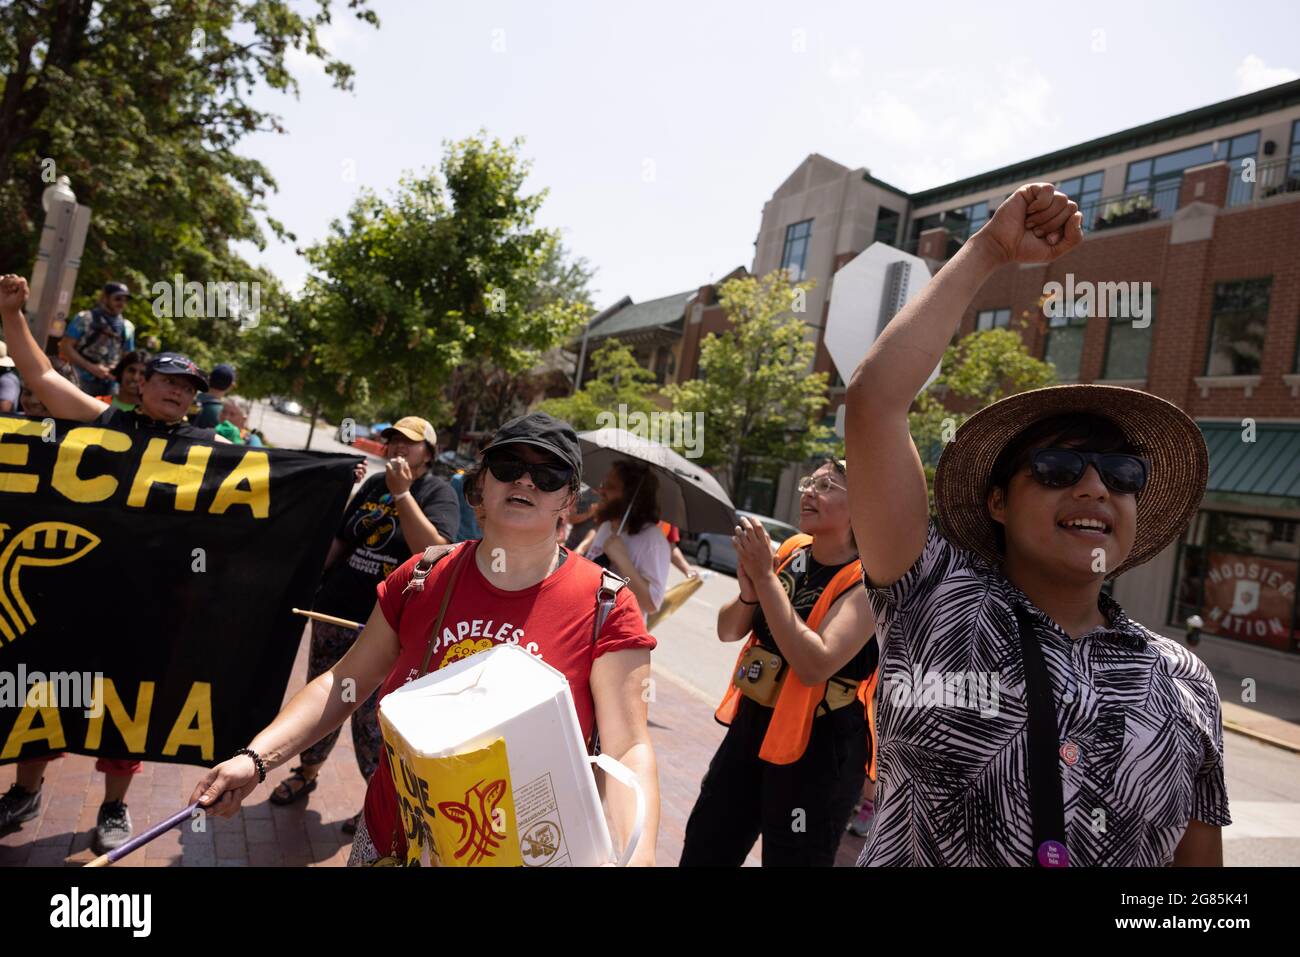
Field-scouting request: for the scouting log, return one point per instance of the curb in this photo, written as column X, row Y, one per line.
column 1261, row 737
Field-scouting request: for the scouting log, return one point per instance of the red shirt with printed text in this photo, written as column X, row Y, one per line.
column 552, row 620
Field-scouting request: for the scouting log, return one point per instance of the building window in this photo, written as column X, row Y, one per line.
column 1086, row 191
column 1240, row 150
column 992, row 319
column 1239, row 572
column 1237, row 327
column 795, row 256
column 965, row 221
column 1064, row 346
column 919, row 226
column 1128, row 349
column 1161, row 177
column 887, row 226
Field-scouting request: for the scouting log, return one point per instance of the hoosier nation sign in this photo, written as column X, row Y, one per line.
column 166, row 569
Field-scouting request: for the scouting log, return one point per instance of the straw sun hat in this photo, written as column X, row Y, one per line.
column 1163, row 433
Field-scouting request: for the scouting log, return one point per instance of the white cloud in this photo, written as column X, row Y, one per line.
column 1253, row 74
column 947, row 122
column 848, row 67
column 888, row 118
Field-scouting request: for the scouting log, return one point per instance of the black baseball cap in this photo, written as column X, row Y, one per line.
column 544, row 431
column 116, row 289
column 173, row 363
column 222, row 376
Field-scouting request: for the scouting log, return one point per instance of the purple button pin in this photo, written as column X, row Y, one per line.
column 1053, row 854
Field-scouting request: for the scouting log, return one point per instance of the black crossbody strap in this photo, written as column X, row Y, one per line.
column 1046, row 797
column 606, row 595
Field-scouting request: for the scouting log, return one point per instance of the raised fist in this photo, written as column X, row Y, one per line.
column 1035, row 224
column 13, row 294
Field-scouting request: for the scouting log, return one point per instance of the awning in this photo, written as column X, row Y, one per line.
column 1264, row 472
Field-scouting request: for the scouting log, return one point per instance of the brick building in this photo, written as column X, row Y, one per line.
column 1204, row 207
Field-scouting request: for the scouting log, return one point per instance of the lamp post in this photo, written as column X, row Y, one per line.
column 54, row 277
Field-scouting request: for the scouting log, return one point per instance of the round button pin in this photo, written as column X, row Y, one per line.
column 1053, row 854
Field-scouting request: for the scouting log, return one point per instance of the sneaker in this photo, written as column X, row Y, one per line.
column 114, row 827
column 860, row 823
column 18, row 805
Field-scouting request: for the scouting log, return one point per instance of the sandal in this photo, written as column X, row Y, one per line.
column 294, row 795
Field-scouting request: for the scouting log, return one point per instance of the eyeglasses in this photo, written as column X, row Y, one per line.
column 821, row 484
column 1061, row 468
column 547, row 478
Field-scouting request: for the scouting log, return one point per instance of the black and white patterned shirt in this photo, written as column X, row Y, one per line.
column 1138, row 715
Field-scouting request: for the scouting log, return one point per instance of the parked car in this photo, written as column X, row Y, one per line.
column 285, row 405
column 713, row 550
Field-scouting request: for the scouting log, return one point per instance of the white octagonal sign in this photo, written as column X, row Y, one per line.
column 865, row 294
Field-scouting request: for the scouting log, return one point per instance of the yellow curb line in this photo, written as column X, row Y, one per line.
column 1262, row 737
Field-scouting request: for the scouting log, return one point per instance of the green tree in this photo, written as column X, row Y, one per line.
column 430, row 296
column 761, row 405
column 977, row 370
column 617, row 380
column 143, row 104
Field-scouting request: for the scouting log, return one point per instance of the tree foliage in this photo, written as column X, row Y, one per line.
column 761, row 405
column 427, row 298
column 142, row 105
column 618, row 380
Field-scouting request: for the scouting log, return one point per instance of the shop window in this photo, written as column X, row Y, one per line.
column 1238, row 572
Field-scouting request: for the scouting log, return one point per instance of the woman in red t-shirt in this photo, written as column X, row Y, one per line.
column 515, row 586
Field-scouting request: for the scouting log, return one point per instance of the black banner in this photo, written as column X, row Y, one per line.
column 162, row 569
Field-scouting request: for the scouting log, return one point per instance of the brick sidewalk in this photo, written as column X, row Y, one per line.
column 309, row 833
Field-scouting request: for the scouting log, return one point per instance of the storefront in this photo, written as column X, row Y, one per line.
column 1238, row 564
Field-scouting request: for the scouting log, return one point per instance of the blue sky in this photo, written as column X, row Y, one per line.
column 661, row 129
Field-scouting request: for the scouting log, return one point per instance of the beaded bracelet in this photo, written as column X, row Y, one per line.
column 257, row 761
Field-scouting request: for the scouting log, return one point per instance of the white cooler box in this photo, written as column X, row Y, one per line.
column 491, row 770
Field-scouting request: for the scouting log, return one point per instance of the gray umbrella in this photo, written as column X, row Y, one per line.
column 689, row 497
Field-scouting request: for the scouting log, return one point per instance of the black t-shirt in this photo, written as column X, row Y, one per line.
column 803, row 589
column 134, row 421
column 372, row 531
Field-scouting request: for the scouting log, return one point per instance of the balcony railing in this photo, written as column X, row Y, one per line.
column 1155, row 202
column 1269, row 179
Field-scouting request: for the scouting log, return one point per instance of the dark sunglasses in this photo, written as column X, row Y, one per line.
column 1061, row 468
column 547, row 478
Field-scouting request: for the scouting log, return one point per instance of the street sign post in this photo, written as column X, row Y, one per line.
column 54, row 277
column 866, row 293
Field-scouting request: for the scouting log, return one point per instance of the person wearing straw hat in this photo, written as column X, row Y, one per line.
column 1071, row 735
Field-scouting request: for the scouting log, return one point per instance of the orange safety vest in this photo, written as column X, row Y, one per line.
column 796, row 706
